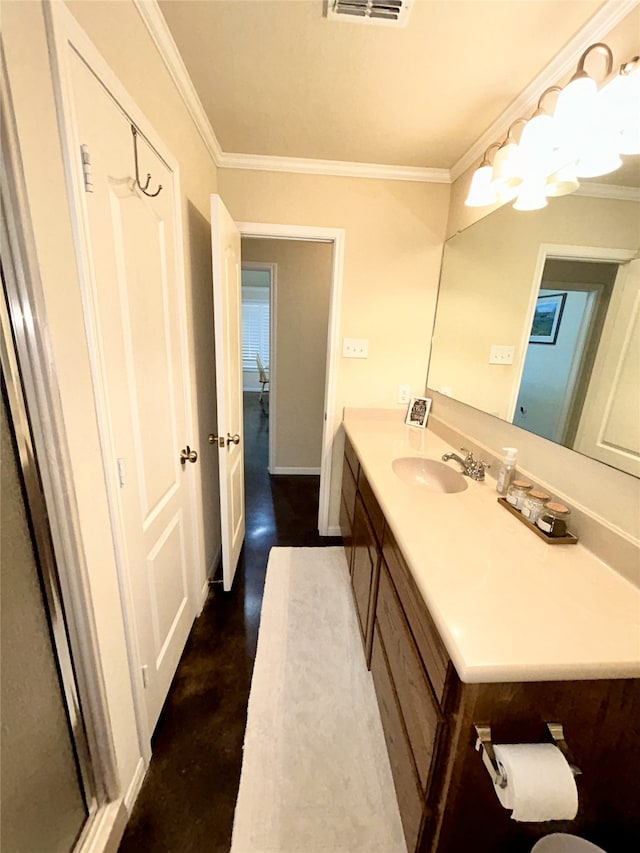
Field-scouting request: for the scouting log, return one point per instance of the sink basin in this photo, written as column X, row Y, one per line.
column 430, row 474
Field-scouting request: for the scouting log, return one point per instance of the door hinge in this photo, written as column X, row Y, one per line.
column 86, row 168
column 145, row 676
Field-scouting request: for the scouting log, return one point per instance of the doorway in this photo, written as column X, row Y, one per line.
column 258, row 351
column 292, row 418
column 571, row 306
column 296, row 349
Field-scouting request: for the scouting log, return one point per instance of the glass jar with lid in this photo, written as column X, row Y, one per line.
column 533, row 503
column 553, row 519
column 518, row 490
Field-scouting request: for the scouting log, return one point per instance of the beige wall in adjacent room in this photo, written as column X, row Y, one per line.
column 303, row 283
column 124, row 42
column 394, row 231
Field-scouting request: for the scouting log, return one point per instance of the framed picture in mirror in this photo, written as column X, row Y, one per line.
column 546, row 319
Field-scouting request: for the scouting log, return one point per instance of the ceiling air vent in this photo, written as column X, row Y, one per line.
column 394, row 13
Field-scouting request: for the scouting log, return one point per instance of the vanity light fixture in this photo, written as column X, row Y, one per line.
column 482, row 192
column 583, row 136
column 507, row 176
column 619, row 101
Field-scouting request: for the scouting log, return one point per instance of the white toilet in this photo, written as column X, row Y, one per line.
column 561, row 842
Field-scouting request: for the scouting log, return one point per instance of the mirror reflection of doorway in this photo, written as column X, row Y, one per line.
column 558, row 368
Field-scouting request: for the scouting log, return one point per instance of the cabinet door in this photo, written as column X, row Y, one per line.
column 408, row 791
column 347, row 508
column 365, row 567
column 420, row 712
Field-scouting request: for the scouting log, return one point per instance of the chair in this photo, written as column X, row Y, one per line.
column 263, row 376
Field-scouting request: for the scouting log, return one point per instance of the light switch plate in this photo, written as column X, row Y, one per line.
column 499, row 354
column 355, row 348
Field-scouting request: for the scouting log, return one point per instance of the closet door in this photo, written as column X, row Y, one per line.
column 137, row 317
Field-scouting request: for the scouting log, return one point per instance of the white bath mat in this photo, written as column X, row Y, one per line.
column 315, row 771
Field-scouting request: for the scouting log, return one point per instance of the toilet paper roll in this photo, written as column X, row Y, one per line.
column 540, row 784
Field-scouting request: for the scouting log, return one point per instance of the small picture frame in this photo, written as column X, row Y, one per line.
column 546, row 319
column 418, row 412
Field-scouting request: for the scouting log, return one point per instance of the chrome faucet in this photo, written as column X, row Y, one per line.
column 473, row 468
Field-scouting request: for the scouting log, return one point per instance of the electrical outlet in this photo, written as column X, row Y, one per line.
column 355, row 348
column 404, row 393
column 501, row 354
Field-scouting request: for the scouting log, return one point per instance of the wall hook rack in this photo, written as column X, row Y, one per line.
column 134, row 132
column 484, row 745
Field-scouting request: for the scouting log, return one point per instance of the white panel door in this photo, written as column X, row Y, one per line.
column 610, row 426
column 138, row 317
column 227, row 306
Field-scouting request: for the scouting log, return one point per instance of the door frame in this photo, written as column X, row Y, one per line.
column 562, row 252
column 65, row 35
column 332, row 419
column 272, row 269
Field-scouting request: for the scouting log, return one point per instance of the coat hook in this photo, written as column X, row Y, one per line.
column 134, row 131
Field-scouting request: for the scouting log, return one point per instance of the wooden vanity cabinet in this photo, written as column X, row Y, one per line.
column 445, row 795
column 350, row 470
column 362, row 525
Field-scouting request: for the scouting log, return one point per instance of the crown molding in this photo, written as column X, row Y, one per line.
column 155, row 22
column 601, row 23
column 594, row 30
column 335, row 168
column 609, row 191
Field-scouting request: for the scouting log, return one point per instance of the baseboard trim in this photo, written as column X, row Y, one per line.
column 134, row 786
column 303, row 471
column 332, row 530
column 104, row 833
column 212, row 570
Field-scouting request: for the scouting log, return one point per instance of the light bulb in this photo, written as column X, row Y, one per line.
column 577, row 113
column 481, row 191
column 536, row 146
column 562, row 182
column 599, row 155
column 531, row 195
column 506, row 175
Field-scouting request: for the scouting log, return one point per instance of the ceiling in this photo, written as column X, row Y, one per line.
column 277, row 78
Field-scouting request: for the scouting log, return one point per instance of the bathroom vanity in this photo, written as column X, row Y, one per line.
column 466, row 619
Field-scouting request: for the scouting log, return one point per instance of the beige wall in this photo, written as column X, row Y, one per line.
column 120, row 36
column 394, row 234
column 303, row 283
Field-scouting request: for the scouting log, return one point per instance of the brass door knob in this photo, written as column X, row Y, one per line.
column 233, row 439
column 188, row 455
column 216, row 439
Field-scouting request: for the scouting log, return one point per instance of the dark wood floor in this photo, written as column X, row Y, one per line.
column 188, row 797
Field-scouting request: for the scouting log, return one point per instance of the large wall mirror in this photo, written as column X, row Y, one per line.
column 538, row 322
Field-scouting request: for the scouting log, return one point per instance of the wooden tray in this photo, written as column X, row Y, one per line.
column 567, row 539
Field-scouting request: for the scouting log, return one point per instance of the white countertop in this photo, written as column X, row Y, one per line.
column 509, row 606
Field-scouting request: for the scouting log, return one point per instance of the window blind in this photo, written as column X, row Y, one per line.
column 255, row 333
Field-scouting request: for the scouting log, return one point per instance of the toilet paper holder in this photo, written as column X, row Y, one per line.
column 484, row 745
